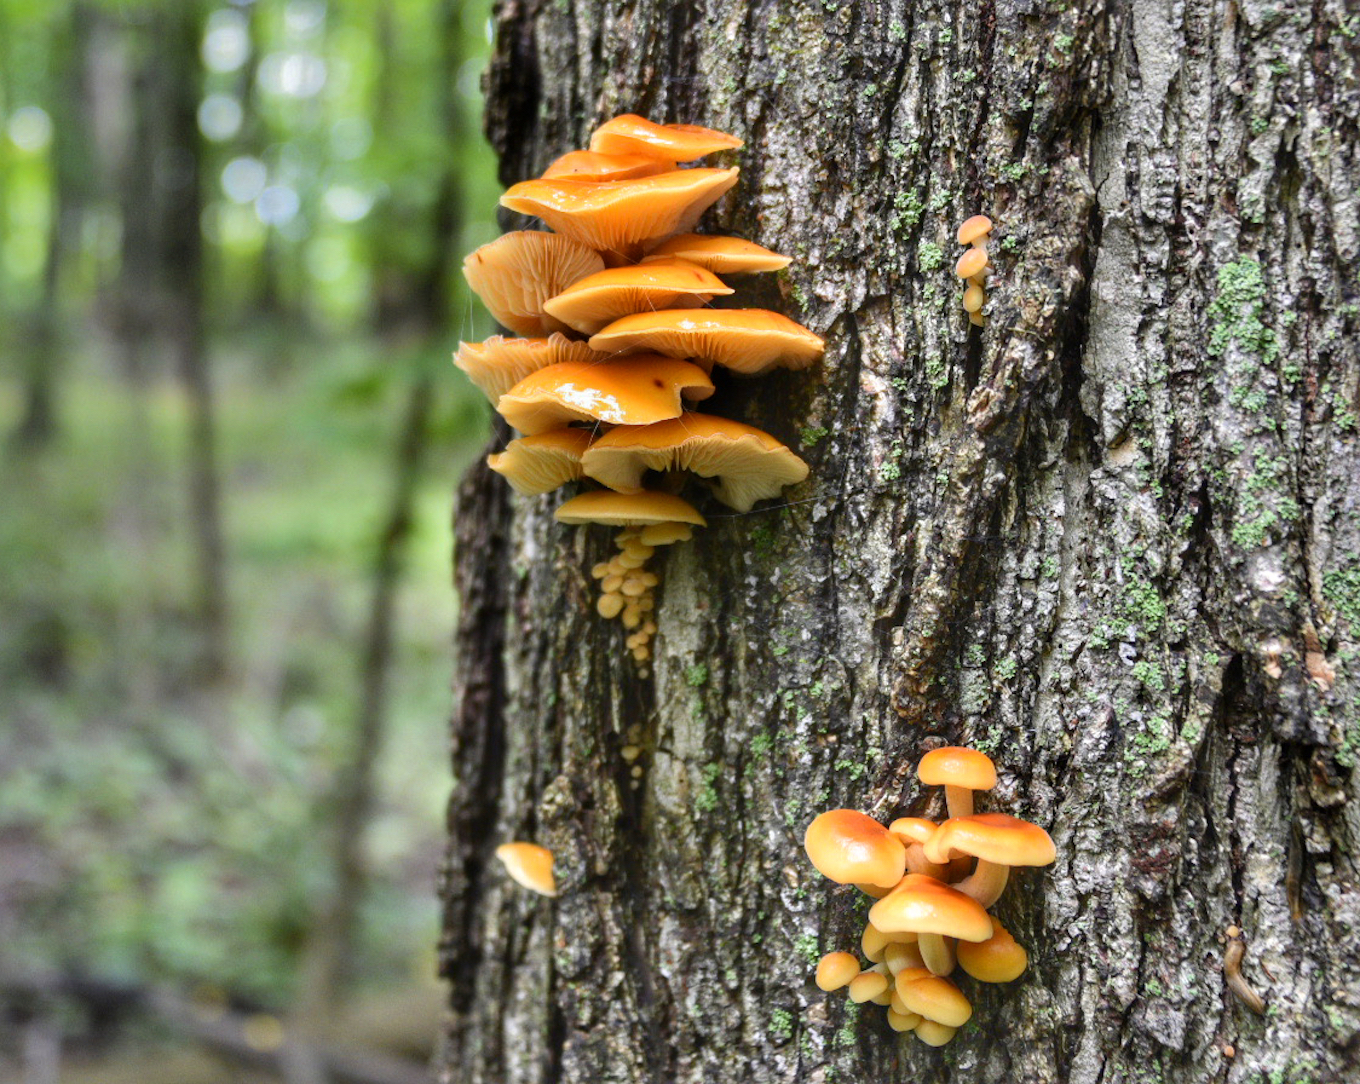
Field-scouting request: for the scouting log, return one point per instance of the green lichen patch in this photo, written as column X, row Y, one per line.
column 1237, row 310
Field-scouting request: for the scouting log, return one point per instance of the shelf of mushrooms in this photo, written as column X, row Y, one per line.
column 934, row 885
column 619, row 342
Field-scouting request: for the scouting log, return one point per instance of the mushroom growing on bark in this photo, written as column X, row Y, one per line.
column 747, row 341
column 514, row 274
column 529, row 865
column 720, row 254
column 998, row 841
column 850, row 848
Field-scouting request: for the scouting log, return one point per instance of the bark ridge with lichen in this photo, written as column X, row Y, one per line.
column 1112, row 540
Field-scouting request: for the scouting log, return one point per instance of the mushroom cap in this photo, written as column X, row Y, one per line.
column 631, row 134
column 835, row 970
column 936, row 999
column 750, row 465
column 541, row 463
column 998, row 959
column 720, row 254
column 850, row 848
column 593, row 166
column 621, row 217
column 933, row 1033
column 628, row 509
column 517, row 272
column 913, row 829
column 971, row 263
column 992, row 837
column 665, row 534
column 498, row 364
column 925, row 905
column 956, row 766
column 974, row 228
column 750, row 341
column 529, row 865
column 599, row 299
column 630, row 391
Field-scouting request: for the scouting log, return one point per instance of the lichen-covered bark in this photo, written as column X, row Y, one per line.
column 1112, row 540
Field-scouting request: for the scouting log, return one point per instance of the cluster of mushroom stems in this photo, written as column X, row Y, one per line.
column 619, row 339
column 972, row 266
column 933, row 885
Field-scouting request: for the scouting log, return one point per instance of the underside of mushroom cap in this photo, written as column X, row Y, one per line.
column 719, row 253
column 541, row 463
column 749, row 341
column 599, row 299
column 514, row 274
column 750, row 465
column 498, row 364
column 628, row 509
column 632, row 134
column 628, row 391
column 593, row 166
column 623, row 218
column 925, row 905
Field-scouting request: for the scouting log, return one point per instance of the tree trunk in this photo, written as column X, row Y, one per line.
column 1110, row 539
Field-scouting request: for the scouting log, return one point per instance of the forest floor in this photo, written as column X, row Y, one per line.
column 160, row 828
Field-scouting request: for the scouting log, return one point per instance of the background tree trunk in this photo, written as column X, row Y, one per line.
column 1111, row 540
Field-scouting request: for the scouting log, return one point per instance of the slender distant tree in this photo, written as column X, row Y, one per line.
column 1111, row 538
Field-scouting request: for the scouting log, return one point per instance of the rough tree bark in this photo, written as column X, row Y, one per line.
column 1111, row 540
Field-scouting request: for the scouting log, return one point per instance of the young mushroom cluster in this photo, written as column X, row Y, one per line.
column 934, row 884
column 972, row 265
column 619, row 339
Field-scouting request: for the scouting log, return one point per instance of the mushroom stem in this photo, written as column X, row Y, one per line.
column 937, row 953
column 958, row 800
column 986, row 883
column 917, row 862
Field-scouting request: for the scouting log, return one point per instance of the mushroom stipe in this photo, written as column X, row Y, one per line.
column 924, row 923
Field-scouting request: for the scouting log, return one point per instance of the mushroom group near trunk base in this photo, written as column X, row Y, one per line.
column 621, row 267
column 926, row 922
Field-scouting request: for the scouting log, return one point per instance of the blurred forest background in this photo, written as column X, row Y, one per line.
column 230, row 238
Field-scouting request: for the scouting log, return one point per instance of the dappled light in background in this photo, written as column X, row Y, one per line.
column 229, row 237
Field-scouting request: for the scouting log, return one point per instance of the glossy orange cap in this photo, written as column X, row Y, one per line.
column 749, row 341
column 631, row 134
column 851, row 848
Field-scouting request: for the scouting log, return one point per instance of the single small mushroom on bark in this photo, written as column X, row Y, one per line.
column 835, row 970
column 974, row 229
column 529, row 865
column 960, row 771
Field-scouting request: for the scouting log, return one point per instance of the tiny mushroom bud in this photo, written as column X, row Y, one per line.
column 849, row 847
column 903, row 1021
column 973, row 299
column 974, row 229
column 973, row 262
column 529, row 865
column 835, row 970
column 933, row 1033
column 960, row 771
column 867, row 985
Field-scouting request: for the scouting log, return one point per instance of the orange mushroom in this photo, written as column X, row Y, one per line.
column 622, row 218
column 748, row 341
column 631, row 134
column 998, row 959
column 933, row 911
column 529, row 865
column 498, row 364
column 592, row 166
column 596, row 300
column 541, row 463
column 628, row 509
column 514, row 274
column 720, row 254
column 998, row 841
column 849, row 847
column 750, row 465
column 960, row 771
column 631, row 391
column 974, row 229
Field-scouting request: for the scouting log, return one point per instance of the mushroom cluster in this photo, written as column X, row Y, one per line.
column 934, row 884
column 619, row 341
column 972, row 265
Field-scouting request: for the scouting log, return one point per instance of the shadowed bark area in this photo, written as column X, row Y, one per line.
column 1111, row 540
